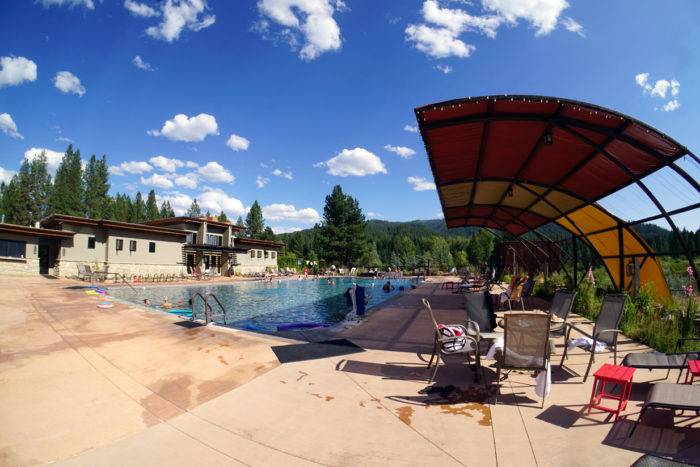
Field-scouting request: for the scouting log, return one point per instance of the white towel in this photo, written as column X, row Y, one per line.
column 586, row 342
column 498, row 344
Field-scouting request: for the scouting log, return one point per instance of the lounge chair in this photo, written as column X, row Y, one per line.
column 83, row 273
column 516, row 292
column 671, row 396
column 452, row 339
column 525, row 345
column 605, row 329
column 663, row 361
column 650, row 460
column 562, row 303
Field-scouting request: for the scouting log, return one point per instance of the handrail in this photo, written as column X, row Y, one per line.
column 211, row 295
column 116, row 275
column 207, row 307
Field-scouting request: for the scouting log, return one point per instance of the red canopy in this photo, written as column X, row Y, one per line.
column 517, row 162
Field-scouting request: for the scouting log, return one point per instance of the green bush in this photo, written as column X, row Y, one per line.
column 546, row 288
column 586, row 303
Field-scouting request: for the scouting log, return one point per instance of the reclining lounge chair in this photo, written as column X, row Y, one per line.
column 663, row 361
column 671, row 396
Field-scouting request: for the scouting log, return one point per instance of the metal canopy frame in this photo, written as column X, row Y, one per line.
column 654, row 150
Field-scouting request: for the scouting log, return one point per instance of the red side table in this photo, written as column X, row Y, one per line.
column 692, row 371
column 614, row 374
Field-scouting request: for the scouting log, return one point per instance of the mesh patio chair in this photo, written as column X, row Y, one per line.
column 452, row 339
column 605, row 329
column 480, row 311
column 664, row 361
column 516, row 293
column 670, row 396
column 525, row 345
column 562, row 303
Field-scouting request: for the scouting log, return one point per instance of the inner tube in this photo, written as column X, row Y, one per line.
column 177, row 311
column 292, row 326
column 105, row 305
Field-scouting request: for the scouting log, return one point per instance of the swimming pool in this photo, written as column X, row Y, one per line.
column 262, row 306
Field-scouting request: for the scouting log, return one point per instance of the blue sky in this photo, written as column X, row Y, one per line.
column 321, row 90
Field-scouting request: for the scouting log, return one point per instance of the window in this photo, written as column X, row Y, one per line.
column 274, row 254
column 151, row 247
column 191, row 238
column 13, row 249
column 132, row 245
column 212, row 239
column 267, row 254
column 252, row 254
column 259, row 253
column 91, row 243
column 120, row 244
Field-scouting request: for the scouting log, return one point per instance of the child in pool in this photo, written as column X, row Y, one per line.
column 166, row 303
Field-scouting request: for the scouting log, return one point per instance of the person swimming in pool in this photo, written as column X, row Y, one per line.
column 166, row 303
column 146, row 302
column 388, row 287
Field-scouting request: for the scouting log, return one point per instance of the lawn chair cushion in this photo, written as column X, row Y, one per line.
column 674, row 396
column 658, row 360
column 453, row 345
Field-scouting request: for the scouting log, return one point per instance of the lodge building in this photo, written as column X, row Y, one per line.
column 168, row 246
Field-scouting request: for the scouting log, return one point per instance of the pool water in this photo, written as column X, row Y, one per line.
column 262, row 306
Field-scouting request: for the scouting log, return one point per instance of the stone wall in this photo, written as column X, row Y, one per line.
column 19, row 266
column 70, row 269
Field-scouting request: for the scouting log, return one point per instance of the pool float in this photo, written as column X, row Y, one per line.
column 253, row 327
column 177, row 311
column 105, row 305
column 294, row 326
column 91, row 292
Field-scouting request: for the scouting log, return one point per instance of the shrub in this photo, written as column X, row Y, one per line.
column 586, row 302
column 546, row 288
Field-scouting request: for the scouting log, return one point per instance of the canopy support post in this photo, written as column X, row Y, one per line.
column 575, row 255
column 621, row 257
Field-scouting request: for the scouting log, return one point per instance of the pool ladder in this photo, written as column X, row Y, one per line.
column 207, row 307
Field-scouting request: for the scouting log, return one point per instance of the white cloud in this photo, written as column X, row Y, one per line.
column 542, row 14
column 661, row 89
column 238, row 143
column 141, row 64
column 178, row 15
column 313, row 19
column 190, row 129
column 6, row 175
column 445, row 69
column 261, row 182
column 287, row 175
column 65, row 140
column 165, row 163
column 157, row 180
column 287, row 212
column 420, row 184
column 191, row 165
column 353, row 162
column 671, row 105
column 411, row 128
column 16, row 70
column 53, row 158
column 374, row 215
column 217, row 200
column 139, row 9
column 89, row 4
column 574, row 26
column 439, row 35
column 282, row 230
column 132, row 167
column 188, row 180
column 180, row 202
column 9, row 127
column 67, row 82
column 401, row 151
column 216, row 173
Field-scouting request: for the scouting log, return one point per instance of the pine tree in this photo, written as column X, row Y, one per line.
column 67, row 193
column 20, row 209
column 11, row 205
column 207, row 214
column 152, row 212
column 268, row 234
column 341, row 237
column 223, row 217
column 121, row 208
column 138, row 209
column 96, row 181
column 255, row 224
column 166, row 210
column 195, row 210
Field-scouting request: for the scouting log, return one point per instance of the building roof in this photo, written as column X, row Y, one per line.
column 193, row 220
column 34, row 231
column 258, row 242
column 515, row 163
column 56, row 220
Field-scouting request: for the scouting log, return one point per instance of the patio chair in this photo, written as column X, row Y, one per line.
column 525, row 345
column 516, row 293
column 671, row 396
column 83, row 273
column 650, row 460
column 480, row 312
column 663, row 361
column 605, row 329
column 561, row 306
column 452, row 339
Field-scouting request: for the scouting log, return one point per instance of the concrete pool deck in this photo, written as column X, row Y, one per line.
column 86, row 386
